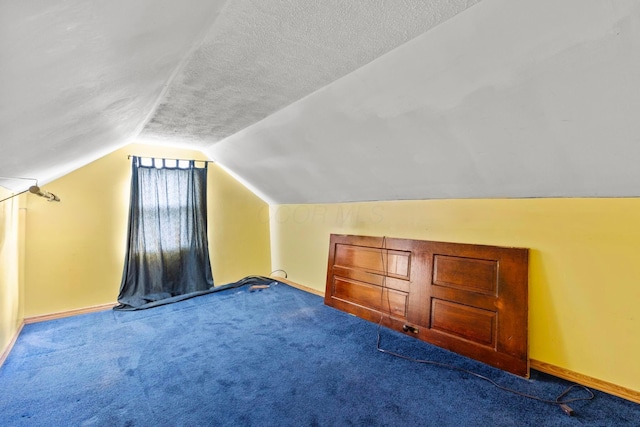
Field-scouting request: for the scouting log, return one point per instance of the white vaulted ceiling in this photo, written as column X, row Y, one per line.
column 78, row 78
column 333, row 101
column 261, row 56
column 509, row 99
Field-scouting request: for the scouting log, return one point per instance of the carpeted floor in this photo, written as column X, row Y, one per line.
column 274, row 357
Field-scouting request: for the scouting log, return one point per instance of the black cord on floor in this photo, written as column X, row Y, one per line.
column 560, row 400
column 281, row 270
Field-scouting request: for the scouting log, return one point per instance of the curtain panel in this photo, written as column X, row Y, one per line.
column 167, row 255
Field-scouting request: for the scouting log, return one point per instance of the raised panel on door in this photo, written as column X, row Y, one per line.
column 369, row 281
column 475, row 303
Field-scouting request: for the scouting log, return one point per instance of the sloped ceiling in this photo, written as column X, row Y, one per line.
column 261, row 56
column 334, row 101
column 78, row 78
column 509, row 99
column 81, row 78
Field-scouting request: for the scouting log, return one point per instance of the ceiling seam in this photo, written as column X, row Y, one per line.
column 198, row 40
column 320, row 89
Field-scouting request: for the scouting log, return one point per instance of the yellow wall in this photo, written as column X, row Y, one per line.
column 76, row 248
column 583, row 267
column 584, row 275
column 239, row 238
column 11, row 276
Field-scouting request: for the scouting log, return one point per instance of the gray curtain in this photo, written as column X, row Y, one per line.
column 167, row 251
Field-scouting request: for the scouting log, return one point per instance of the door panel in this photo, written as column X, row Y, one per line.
column 471, row 299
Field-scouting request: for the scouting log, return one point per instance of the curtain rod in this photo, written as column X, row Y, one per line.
column 22, row 192
column 34, row 189
column 14, row 195
column 164, row 158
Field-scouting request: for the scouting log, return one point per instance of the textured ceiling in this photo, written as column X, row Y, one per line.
column 261, row 56
column 81, row 78
column 509, row 99
column 336, row 100
column 78, row 78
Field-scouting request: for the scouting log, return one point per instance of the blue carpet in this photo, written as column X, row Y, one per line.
column 275, row 357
